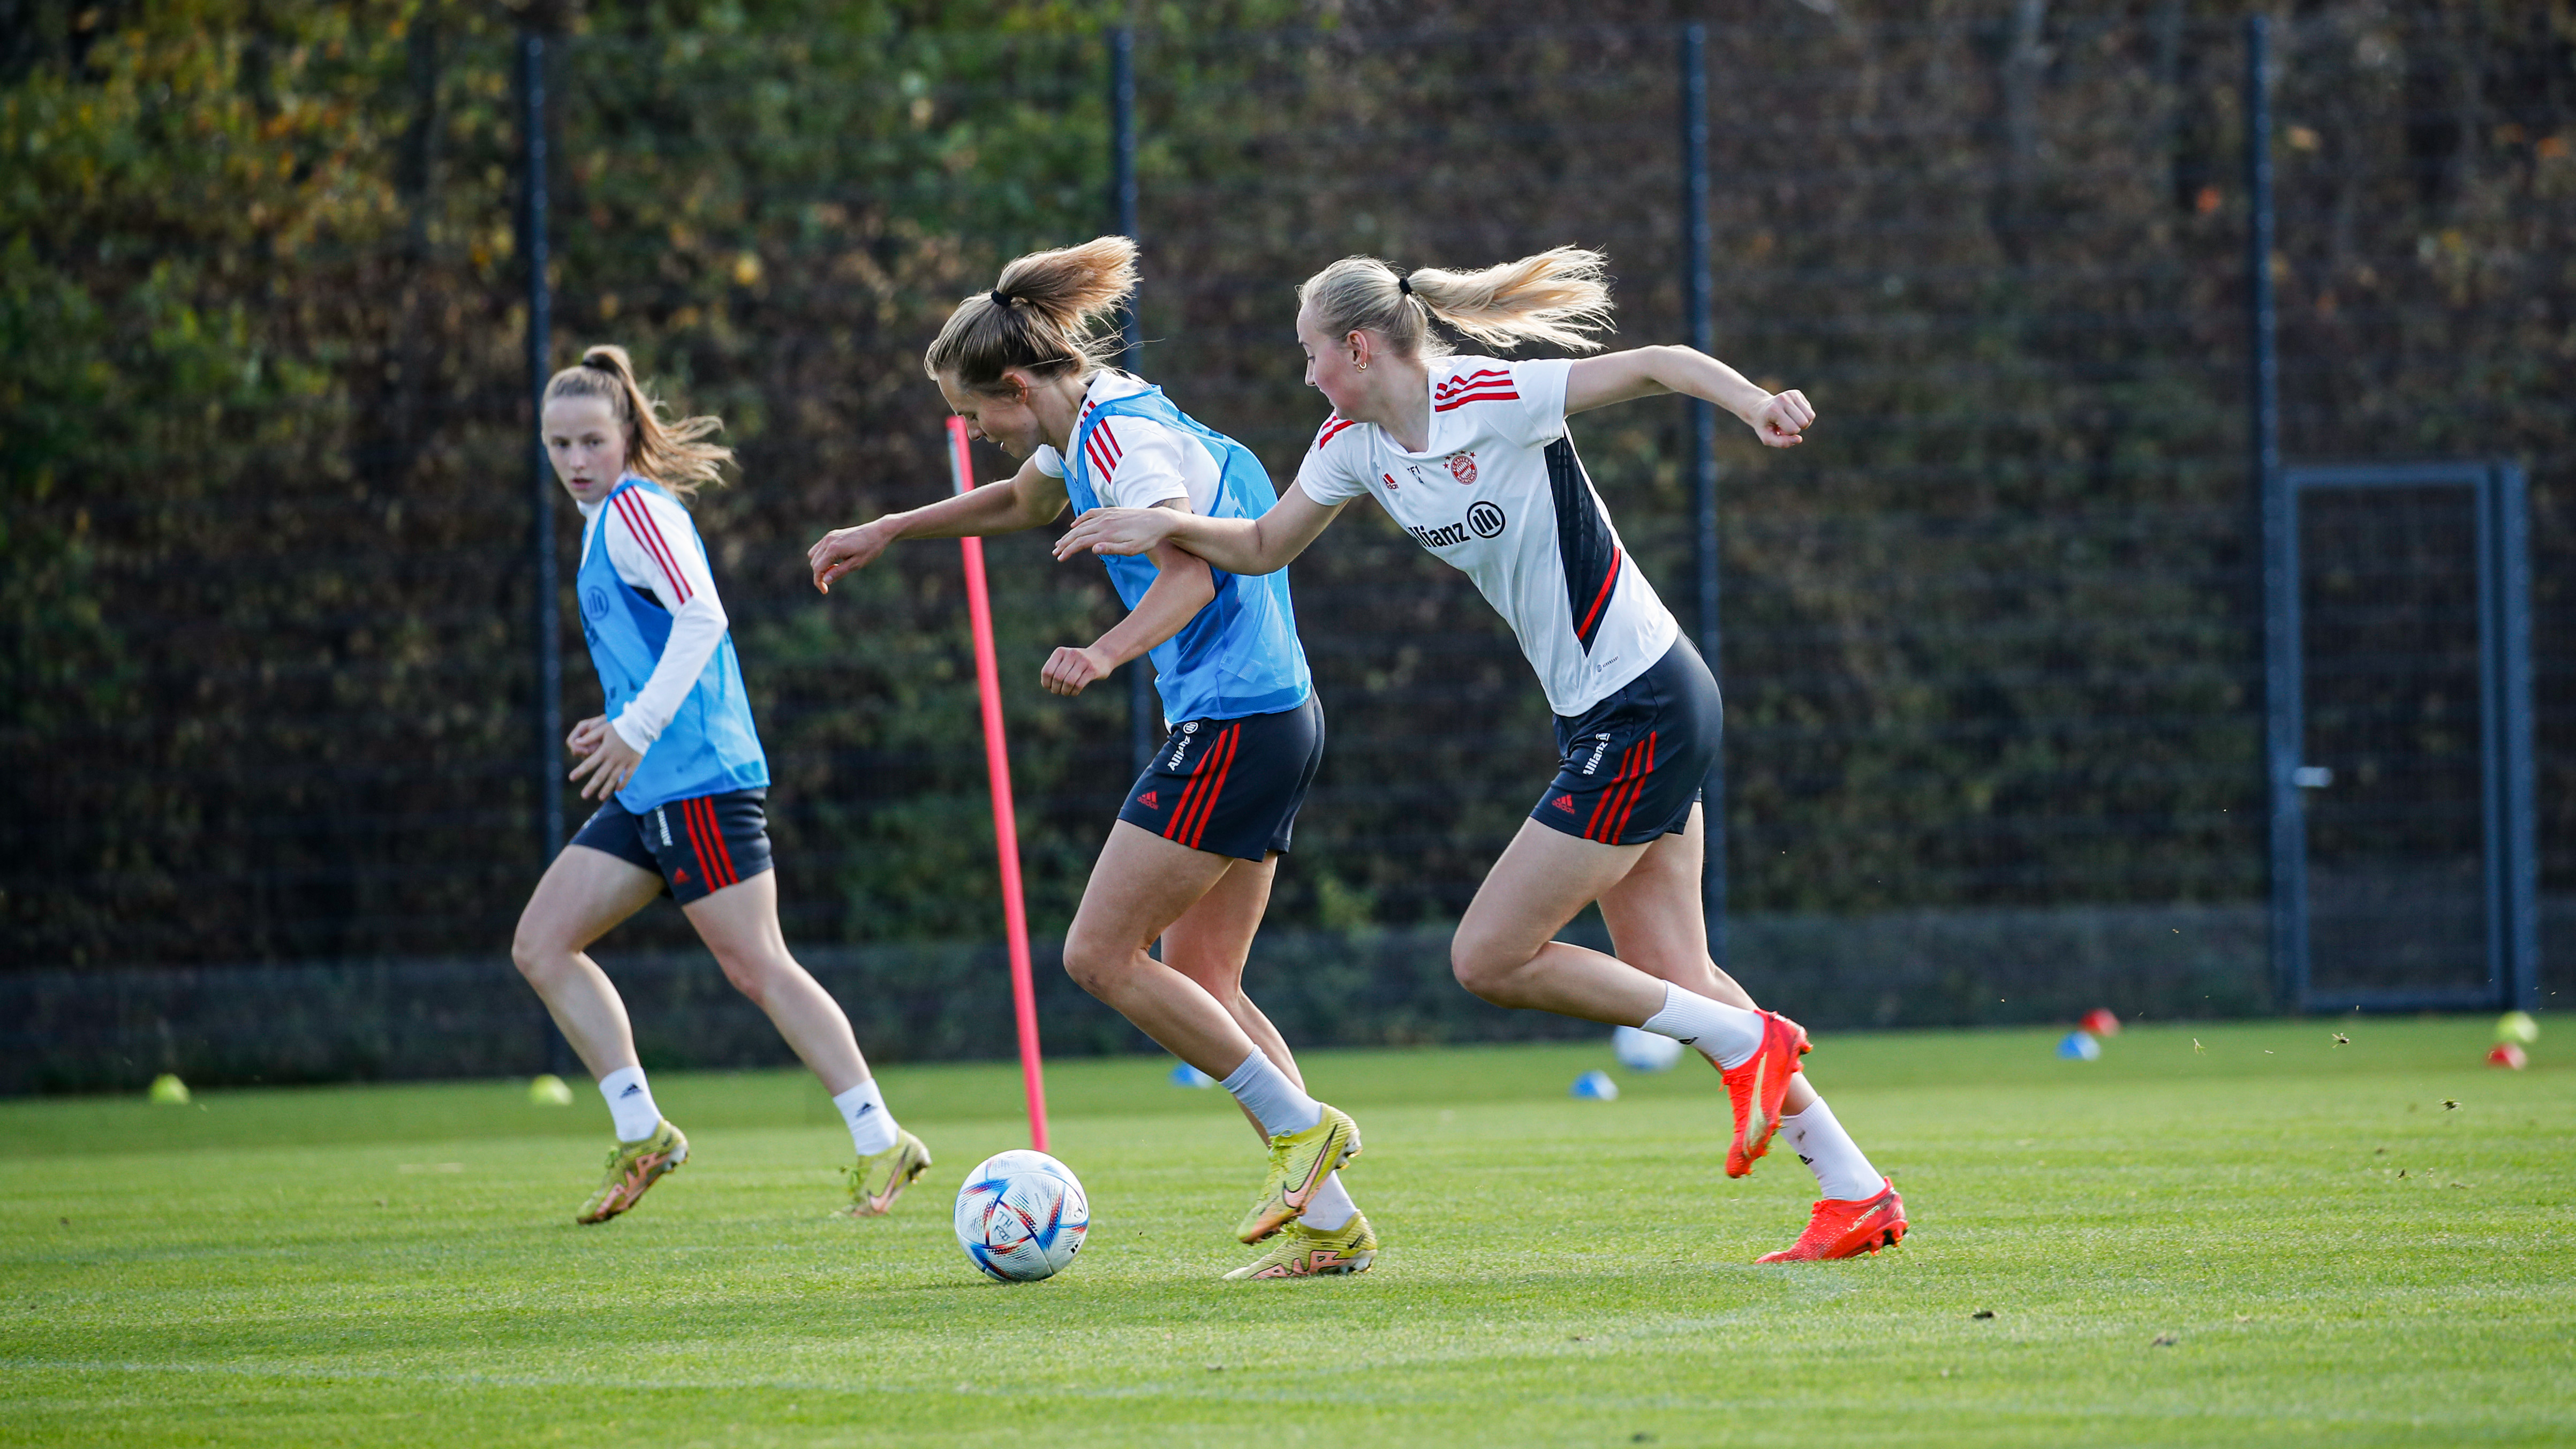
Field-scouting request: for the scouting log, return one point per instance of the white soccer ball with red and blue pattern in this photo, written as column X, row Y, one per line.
column 1021, row 1216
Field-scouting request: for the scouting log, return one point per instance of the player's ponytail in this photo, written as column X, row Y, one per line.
column 1557, row 296
column 673, row 452
column 1038, row 317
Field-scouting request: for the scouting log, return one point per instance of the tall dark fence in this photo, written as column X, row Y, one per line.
column 1991, row 638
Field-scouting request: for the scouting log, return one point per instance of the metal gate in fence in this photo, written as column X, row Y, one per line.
column 2404, row 872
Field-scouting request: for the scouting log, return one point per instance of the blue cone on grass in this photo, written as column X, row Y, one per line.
column 2079, row 1046
column 1596, row 1087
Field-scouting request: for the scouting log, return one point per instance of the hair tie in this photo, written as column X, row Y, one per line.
column 1000, row 298
column 599, row 362
column 1404, row 285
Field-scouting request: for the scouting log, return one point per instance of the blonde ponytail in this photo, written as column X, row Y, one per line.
column 671, row 451
column 1557, row 296
column 1038, row 317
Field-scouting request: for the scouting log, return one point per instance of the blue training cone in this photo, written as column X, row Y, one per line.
column 1185, row 1075
column 1596, row 1087
column 2079, row 1046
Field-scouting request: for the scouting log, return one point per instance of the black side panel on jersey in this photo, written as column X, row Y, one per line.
column 1583, row 541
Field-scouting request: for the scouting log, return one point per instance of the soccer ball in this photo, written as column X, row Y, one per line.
column 1021, row 1216
column 1644, row 1051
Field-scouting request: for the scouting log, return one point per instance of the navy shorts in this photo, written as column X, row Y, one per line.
column 1231, row 786
column 1630, row 768
column 698, row 846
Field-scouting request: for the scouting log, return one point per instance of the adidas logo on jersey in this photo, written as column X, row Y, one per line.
column 1564, row 803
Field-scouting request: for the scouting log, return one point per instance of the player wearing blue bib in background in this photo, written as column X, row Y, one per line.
column 1191, row 858
column 677, row 767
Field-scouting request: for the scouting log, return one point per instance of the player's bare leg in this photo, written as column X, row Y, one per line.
column 1657, row 925
column 740, row 926
column 1142, row 886
column 1209, row 944
column 582, row 895
column 1506, row 952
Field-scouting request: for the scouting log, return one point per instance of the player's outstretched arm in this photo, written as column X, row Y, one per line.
column 1780, row 420
column 1032, row 497
column 1251, row 546
column 1182, row 586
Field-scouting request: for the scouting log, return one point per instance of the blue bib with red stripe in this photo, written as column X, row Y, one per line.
column 710, row 746
column 1240, row 655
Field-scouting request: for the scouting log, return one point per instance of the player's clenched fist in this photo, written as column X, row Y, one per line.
column 1118, row 531
column 1784, row 419
column 844, row 551
column 1072, row 668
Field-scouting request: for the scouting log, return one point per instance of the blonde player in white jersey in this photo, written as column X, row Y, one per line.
column 1471, row 456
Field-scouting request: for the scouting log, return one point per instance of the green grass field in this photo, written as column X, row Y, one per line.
column 2334, row 1255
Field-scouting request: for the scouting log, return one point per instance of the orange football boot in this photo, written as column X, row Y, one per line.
column 1838, row 1229
column 1754, row 1090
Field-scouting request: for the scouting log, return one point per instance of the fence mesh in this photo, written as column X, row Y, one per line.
column 1991, row 639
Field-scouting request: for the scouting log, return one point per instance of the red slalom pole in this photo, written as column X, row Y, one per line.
column 1006, row 830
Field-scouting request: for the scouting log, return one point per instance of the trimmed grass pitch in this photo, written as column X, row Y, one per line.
column 2267, row 1238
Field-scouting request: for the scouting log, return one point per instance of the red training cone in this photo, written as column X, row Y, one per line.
column 2507, row 1055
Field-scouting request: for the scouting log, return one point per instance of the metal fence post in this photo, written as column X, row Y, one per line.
column 1703, row 449
column 541, row 483
column 541, row 494
column 2278, row 514
column 1143, row 712
column 2514, row 808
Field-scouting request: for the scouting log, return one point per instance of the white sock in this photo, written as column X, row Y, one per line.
column 871, row 1126
column 630, row 1104
column 1330, row 1207
column 1842, row 1173
column 1274, row 1101
column 1726, row 1035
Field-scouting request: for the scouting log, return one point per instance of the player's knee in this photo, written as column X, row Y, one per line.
column 1095, row 965
column 534, row 955
column 750, row 975
column 1479, row 966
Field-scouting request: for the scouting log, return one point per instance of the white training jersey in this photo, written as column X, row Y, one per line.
column 1500, row 494
column 1137, row 462
column 656, row 550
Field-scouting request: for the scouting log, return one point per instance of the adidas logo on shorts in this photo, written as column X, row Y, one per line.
column 1564, row 803
column 1149, row 801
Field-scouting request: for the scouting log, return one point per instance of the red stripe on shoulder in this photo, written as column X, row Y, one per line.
column 1334, row 427
column 641, row 525
column 1491, row 392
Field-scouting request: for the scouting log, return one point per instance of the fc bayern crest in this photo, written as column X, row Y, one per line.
column 1462, row 466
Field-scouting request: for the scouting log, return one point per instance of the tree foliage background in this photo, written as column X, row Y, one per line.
column 1990, row 637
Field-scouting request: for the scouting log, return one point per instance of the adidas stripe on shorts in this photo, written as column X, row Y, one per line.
column 1630, row 768
column 1231, row 786
column 697, row 846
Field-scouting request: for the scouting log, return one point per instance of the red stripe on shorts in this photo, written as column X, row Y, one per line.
column 724, row 852
column 1602, row 806
column 1232, row 743
column 1636, row 792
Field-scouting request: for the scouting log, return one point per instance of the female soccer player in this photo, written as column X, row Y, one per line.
column 681, row 781
column 1471, row 456
column 1192, row 854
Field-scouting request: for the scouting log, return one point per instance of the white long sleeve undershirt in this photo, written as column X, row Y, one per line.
column 654, row 548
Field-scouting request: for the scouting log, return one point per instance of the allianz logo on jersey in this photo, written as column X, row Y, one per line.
column 1485, row 520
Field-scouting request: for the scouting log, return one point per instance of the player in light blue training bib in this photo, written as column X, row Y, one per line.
column 1192, row 855
column 683, row 787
